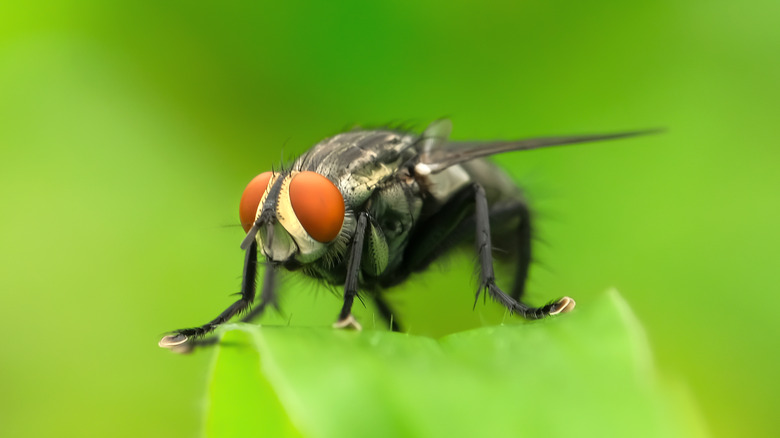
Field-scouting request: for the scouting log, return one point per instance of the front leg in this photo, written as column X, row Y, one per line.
column 248, row 287
column 346, row 320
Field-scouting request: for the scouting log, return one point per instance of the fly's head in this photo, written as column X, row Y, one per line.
column 294, row 216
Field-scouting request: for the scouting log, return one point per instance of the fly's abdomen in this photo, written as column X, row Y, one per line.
column 498, row 186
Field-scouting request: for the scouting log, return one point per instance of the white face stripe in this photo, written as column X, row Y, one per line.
column 281, row 247
column 308, row 248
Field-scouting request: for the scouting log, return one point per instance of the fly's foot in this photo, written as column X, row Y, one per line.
column 172, row 341
column 563, row 305
column 177, row 343
column 348, row 323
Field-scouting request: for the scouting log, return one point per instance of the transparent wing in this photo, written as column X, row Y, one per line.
column 437, row 153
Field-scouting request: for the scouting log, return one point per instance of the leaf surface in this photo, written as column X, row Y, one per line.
column 588, row 373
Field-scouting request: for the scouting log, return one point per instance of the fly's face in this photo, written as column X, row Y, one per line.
column 294, row 215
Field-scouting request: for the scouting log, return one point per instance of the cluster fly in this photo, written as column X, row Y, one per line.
column 365, row 209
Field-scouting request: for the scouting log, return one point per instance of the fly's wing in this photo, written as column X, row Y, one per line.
column 437, row 154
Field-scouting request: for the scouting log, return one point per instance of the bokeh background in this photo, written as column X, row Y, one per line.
column 129, row 129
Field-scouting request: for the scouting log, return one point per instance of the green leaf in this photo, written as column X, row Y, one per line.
column 588, row 373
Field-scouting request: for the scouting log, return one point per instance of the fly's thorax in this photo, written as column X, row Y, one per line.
column 359, row 162
column 296, row 230
column 357, row 188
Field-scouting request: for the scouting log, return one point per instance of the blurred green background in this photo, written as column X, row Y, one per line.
column 129, row 129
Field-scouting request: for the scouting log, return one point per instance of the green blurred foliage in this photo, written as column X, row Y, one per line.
column 128, row 131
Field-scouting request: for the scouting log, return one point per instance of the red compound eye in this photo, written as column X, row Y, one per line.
column 318, row 204
column 250, row 200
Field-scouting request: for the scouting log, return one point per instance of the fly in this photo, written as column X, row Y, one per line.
column 366, row 209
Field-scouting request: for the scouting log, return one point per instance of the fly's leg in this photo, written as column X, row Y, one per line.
column 267, row 297
column 248, row 287
column 524, row 233
column 454, row 223
column 487, row 280
column 387, row 313
column 346, row 320
column 521, row 249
